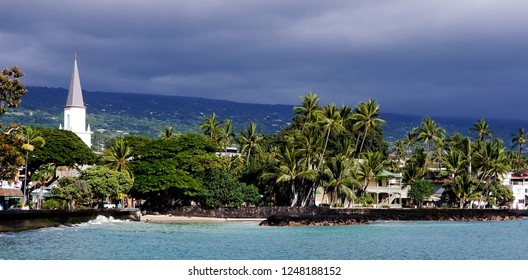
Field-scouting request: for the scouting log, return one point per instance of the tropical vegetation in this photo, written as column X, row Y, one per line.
column 327, row 155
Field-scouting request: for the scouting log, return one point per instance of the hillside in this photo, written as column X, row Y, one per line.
column 111, row 114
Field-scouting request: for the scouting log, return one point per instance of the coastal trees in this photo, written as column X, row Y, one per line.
column 366, row 117
column 222, row 189
column 10, row 157
column 118, row 156
column 11, row 88
column 481, row 127
column 210, row 126
column 429, row 132
column 30, row 138
column 169, row 172
column 248, row 139
column 105, row 182
column 71, row 190
column 63, row 148
column 519, row 140
column 420, row 190
column 308, row 108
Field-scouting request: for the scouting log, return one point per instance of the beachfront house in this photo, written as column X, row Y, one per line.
column 10, row 194
column 518, row 184
column 387, row 192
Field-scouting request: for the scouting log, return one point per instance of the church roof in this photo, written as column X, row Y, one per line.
column 75, row 98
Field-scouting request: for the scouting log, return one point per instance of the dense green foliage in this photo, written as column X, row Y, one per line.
column 63, row 148
column 420, row 190
column 11, row 88
column 105, row 182
column 169, row 171
column 220, row 188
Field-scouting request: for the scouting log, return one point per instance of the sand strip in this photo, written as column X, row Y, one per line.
column 182, row 219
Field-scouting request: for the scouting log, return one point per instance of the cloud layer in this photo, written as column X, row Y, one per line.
column 420, row 57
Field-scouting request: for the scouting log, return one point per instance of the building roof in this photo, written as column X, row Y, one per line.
column 75, row 98
column 11, row 192
column 522, row 175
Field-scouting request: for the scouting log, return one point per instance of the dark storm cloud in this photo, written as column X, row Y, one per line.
column 423, row 57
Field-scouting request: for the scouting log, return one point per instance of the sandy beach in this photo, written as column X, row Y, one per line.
column 184, row 219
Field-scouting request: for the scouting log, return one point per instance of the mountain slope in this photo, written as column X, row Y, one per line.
column 112, row 114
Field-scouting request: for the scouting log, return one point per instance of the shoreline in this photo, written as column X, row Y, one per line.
column 150, row 218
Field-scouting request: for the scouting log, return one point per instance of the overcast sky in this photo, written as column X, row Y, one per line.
column 459, row 58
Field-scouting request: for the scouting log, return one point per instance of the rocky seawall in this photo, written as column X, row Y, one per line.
column 336, row 217
column 20, row 220
column 325, row 216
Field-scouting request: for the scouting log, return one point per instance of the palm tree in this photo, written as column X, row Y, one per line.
column 290, row 170
column 210, row 126
column 248, row 140
column 519, row 139
column 30, row 138
column 226, row 134
column 371, row 167
column 118, row 156
column 398, row 150
column 338, row 178
column 366, row 118
column 330, row 119
column 491, row 161
column 45, row 173
column 308, row 108
column 464, row 188
column 454, row 162
column 308, row 142
column 167, row 133
column 481, row 127
column 429, row 132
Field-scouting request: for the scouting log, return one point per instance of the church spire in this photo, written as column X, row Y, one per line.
column 75, row 98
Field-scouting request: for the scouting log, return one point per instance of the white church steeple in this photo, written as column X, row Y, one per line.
column 75, row 111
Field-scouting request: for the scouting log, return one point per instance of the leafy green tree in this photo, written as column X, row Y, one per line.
column 71, row 190
column 420, row 190
column 499, row 194
column 63, row 148
column 11, row 88
column 10, row 157
column 464, row 188
column 105, row 182
column 222, row 189
column 170, row 172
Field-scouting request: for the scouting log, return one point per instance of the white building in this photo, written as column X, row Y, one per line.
column 75, row 111
column 518, row 183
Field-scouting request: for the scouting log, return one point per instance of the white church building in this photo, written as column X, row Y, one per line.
column 75, row 111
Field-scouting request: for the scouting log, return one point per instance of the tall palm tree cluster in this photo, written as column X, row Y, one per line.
column 471, row 170
column 334, row 149
column 338, row 151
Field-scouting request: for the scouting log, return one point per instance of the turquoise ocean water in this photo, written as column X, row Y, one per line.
column 108, row 239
